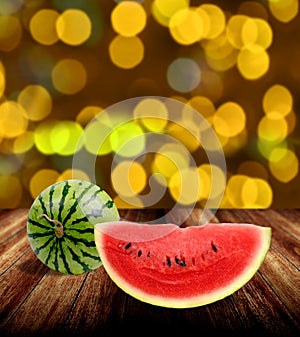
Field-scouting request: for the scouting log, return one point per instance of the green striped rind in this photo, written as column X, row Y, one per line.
column 78, row 206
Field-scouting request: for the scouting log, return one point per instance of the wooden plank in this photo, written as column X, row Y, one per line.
column 13, row 240
column 191, row 216
column 245, row 311
column 3, row 211
column 261, row 311
column 152, row 216
column 203, row 216
column 289, row 219
column 155, row 318
column 11, row 221
column 284, row 279
column 98, row 306
column 130, row 214
column 278, row 271
column 17, row 283
column 36, row 300
column 12, row 250
column 131, row 310
column 46, row 308
column 218, row 318
column 285, row 220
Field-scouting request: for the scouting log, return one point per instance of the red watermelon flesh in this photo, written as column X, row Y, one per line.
column 170, row 266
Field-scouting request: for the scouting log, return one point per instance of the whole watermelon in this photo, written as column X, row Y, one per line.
column 60, row 225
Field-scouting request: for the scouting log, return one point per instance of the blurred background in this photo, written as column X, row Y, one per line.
column 63, row 63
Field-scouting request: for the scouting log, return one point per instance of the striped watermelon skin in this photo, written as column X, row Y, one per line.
column 60, row 225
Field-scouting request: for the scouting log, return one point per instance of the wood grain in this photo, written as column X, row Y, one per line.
column 38, row 301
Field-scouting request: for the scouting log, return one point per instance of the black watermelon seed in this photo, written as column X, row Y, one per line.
column 180, row 262
column 214, row 248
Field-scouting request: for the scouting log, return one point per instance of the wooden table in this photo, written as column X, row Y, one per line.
column 35, row 300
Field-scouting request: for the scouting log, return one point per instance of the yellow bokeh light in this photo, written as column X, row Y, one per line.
column 73, row 174
column 64, row 137
column 168, row 160
column 217, row 20
column 249, row 193
column 13, row 119
column 234, row 29
column 185, row 186
column 242, row 31
column 24, row 142
column 42, row 137
column 127, row 139
column 10, row 191
column 278, row 99
column 218, row 48
column 152, row 113
column 128, row 178
column 169, row 7
column 234, row 190
column 205, row 21
column 69, row 76
column 222, row 64
column 283, row 164
column 256, row 193
column 257, row 31
column 186, row 132
column 37, row 102
column 202, row 54
column 284, row 10
column 128, row 18
column 204, row 106
column 126, row 52
column 273, row 128
column 186, row 26
column 87, row 114
column 96, row 137
column 73, row 27
column 163, row 10
column 135, row 202
column 2, row 79
column 158, row 16
column 213, row 180
column 41, row 180
column 229, row 119
column 219, row 53
column 205, row 182
column 249, row 32
column 43, row 26
column 10, row 32
column 253, row 61
column 265, row 147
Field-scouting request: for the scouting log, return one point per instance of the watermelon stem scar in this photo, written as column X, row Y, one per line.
column 59, row 229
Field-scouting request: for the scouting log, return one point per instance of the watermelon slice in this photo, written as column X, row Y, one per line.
column 176, row 267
